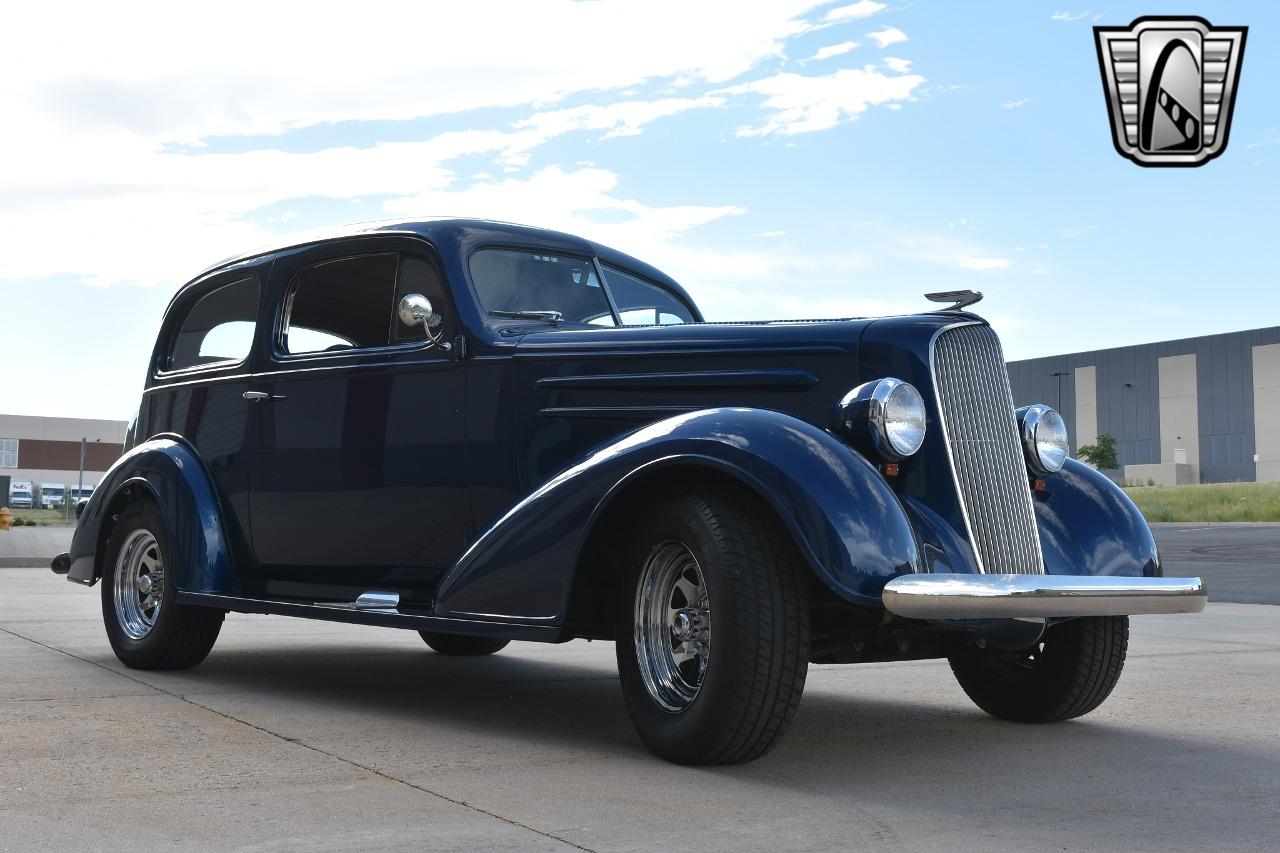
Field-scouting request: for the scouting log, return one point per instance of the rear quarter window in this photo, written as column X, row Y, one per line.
column 219, row 327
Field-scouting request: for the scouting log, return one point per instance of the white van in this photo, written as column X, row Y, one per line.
column 52, row 495
column 20, row 494
column 79, row 493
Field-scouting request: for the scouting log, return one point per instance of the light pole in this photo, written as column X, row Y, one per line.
column 1058, row 374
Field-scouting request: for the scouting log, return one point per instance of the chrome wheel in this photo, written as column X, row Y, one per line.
column 672, row 626
column 139, row 584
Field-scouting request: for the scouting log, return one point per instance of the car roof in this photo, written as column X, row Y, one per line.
column 468, row 232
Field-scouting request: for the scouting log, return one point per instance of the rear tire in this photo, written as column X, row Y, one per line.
column 1068, row 674
column 146, row 628
column 712, row 629
column 457, row 644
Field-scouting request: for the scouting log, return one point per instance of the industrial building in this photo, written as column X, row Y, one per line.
column 1196, row 410
column 47, row 450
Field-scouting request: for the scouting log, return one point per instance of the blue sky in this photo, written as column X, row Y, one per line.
column 781, row 160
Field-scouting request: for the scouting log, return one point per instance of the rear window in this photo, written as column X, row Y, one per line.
column 641, row 303
column 512, row 282
column 218, row 328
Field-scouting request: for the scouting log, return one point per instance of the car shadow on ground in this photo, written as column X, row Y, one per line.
column 909, row 748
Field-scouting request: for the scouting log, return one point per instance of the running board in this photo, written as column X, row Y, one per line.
column 378, row 611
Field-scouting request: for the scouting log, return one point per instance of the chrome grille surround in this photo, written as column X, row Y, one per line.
column 980, row 432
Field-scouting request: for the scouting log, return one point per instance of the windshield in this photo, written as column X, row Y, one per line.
column 532, row 285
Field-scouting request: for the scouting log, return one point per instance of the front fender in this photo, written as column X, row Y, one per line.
column 1088, row 526
column 167, row 470
column 846, row 520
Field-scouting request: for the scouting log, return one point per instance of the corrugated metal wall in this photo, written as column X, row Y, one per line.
column 1129, row 397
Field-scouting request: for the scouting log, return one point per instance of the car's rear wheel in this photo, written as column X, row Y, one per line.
column 456, row 644
column 1067, row 674
column 713, row 629
column 146, row 628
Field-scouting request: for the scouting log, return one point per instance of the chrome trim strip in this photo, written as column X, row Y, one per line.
column 954, row 596
column 685, row 380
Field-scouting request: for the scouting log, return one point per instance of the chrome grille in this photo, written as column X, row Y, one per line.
column 978, row 426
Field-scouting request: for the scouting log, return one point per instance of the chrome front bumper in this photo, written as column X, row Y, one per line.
column 947, row 596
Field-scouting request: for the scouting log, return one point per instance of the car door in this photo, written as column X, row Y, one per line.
column 200, row 371
column 359, row 474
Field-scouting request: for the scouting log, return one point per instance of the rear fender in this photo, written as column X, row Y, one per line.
column 845, row 519
column 167, row 471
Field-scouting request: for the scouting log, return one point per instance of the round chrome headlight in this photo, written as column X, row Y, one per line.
column 1044, row 438
column 886, row 416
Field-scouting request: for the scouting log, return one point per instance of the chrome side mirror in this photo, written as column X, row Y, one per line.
column 415, row 309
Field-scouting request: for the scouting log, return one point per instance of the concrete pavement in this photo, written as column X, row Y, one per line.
column 1239, row 562
column 32, row 546
column 306, row 734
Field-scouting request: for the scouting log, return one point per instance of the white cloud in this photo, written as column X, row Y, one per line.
column 1013, row 105
column 770, row 235
column 302, row 65
column 888, row 36
column 1068, row 17
column 116, row 131
column 625, row 118
column 971, row 262
column 946, row 251
column 573, row 201
column 894, row 63
column 803, row 104
column 854, row 11
column 834, row 50
column 1077, row 231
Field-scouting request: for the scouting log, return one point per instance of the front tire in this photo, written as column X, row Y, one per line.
column 457, row 644
column 146, row 628
column 1068, row 674
column 713, row 629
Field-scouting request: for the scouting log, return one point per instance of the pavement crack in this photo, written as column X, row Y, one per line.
column 296, row 742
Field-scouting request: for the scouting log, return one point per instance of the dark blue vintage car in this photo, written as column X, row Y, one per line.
column 486, row 432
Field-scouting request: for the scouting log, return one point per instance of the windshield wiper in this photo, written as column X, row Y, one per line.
column 549, row 316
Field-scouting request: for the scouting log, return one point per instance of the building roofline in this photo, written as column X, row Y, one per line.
column 1170, row 342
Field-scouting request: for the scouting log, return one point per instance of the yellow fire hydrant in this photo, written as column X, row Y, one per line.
column 6, row 518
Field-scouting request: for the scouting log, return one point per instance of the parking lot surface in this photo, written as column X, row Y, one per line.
column 305, row 734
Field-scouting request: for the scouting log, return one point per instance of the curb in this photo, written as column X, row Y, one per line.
column 25, row 562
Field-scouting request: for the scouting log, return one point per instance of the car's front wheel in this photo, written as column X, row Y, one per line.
column 1067, row 674
column 713, row 629
column 146, row 628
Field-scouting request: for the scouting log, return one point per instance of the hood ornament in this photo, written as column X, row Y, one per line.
column 962, row 298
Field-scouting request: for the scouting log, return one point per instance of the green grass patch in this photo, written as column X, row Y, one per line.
column 1210, row 502
column 43, row 517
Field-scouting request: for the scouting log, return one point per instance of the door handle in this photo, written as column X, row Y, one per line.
column 259, row 396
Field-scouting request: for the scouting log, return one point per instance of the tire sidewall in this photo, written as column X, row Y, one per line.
column 139, row 515
column 666, row 732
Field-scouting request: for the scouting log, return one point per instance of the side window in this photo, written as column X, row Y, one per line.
column 8, row 454
column 341, row 305
column 643, row 304
column 218, row 328
column 418, row 275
